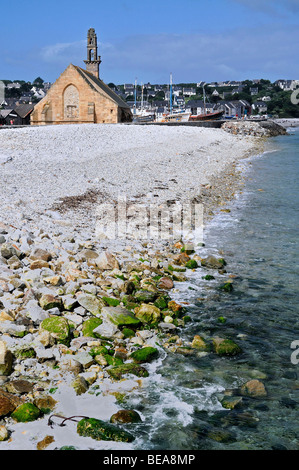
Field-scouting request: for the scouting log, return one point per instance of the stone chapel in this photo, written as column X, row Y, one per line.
column 79, row 96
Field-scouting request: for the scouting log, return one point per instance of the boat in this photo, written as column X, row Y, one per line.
column 176, row 117
column 206, row 116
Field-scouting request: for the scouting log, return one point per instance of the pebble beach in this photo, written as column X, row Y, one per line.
column 85, row 322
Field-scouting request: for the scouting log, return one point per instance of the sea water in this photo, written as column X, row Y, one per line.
column 181, row 401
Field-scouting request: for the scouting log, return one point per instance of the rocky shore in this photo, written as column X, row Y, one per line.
column 82, row 317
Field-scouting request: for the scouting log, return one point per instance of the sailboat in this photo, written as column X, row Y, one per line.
column 206, row 116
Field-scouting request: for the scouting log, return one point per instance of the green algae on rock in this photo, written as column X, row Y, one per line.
column 230, row 402
column 102, row 431
column 134, row 369
column 146, row 354
column 200, row 344
column 59, row 329
column 89, row 325
column 49, row 301
column 225, row 347
column 227, row 287
column 120, row 316
column 128, row 333
column 148, row 314
column 192, row 264
column 112, row 302
column 26, row 412
column 145, row 296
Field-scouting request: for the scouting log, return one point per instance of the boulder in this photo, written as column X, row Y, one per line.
column 58, row 328
column 148, row 314
column 125, row 417
column 6, row 359
column 90, row 325
column 211, row 262
column 225, row 347
column 40, row 254
column 165, row 283
column 146, row 354
column 26, row 412
column 91, row 303
column 118, row 372
column 49, row 301
column 199, row 343
column 254, row 388
column 120, row 316
column 106, row 261
column 102, row 431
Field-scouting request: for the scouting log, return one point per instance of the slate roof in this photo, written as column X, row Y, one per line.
column 24, row 109
column 99, row 85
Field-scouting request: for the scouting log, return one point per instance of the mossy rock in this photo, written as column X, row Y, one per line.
column 145, row 296
column 227, row 287
column 128, row 333
column 111, row 301
column 187, row 319
column 45, row 404
column 208, row 277
column 221, row 319
column 226, row 347
column 230, row 403
column 125, row 417
column 200, row 344
column 191, row 264
column 162, row 302
column 59, row 329
column 120, row 316
column 89, row 325
column 49, row 301
column 26, row 412
column 98, row 350
column 25, row 353
column 211, row 262
column 146, row 354
column 113, row 361
column 134, row 369
column 102, row 431
column 148, row 314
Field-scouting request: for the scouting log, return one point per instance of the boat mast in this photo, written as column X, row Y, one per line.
column 170, row 95
column 135, row 96
column 204, row 99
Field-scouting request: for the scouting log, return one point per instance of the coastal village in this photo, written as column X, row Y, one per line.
column 152, row 100
column 78, row 92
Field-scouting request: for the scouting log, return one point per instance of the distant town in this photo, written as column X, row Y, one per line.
column 237, row 99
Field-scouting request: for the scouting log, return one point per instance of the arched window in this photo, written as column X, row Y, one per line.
column 71, row 103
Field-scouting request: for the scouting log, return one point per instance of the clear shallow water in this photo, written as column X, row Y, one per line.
column 259, row 240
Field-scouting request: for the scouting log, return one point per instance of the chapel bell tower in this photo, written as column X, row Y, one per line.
column 93, row 60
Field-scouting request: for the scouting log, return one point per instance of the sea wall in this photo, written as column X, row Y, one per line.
column 259, row 129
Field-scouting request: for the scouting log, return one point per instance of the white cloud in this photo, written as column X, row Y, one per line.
column 264, row 52
column 237, row 54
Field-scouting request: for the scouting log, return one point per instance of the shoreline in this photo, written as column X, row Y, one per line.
column 151, row 260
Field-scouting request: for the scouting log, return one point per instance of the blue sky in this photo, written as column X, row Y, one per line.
column 192, row 39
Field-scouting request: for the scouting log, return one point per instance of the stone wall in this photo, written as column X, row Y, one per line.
column 71, row 100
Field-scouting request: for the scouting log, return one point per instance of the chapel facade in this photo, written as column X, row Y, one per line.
column 79, row 95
